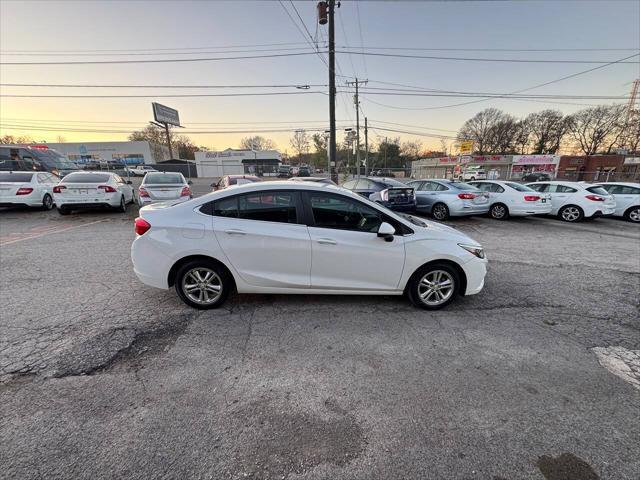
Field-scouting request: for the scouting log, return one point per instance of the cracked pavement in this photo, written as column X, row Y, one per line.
column 102, row 377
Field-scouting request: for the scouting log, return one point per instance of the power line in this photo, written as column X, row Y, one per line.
column 163, row 60
column 184, row 95
column 364, row 59
column 57, row 120
column 78, row 85
column 301, row 20
column 199, row 52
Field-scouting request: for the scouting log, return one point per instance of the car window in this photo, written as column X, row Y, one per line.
column 15, row 177
column 86, row 178
column 268, row 207
column 484, row 187
column 342, row 213
column 562, row 189
column 495, row 188
column 52, row 178
column 462, row 186
column 428, row 187
column 226, row 207
column 540, row 187
column 597, row 190
column 519, row 187
column 364, row 184
column 163, row 178
column 629, row 190
column 42, row 178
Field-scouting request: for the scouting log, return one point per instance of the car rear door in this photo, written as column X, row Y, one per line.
column 264, row 238
column 346, row 252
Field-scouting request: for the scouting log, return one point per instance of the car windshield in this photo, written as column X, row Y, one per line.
column 163, row 178
column 53, row 159
column 15, row 177
column 462, row 186
column 519, row 187
column 597, row 190
column 86, row 178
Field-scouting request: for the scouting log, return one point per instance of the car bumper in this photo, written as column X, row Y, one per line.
column 150, row 265
column 142, row 201
column 475, row 271
column 599, row 212
column 21, row 201
column 458, row 210
column 538, row 209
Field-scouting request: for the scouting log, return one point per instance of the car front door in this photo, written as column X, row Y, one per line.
column 346, row 252
column 264, row 239
column 560, row 195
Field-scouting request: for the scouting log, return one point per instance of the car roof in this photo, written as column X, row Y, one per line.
column 627, row 184
column 23, row 171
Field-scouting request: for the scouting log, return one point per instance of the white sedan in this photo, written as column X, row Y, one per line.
column 513, row 199
column 140, row 170
column 163, row 186
column 627, row 196
column 81, row 190
column 574, row 201
column 300, row 238
column 27, row 188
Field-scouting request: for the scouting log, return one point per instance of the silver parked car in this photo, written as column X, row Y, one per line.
column 627, row 197
column 447, row 198
column 163, row 186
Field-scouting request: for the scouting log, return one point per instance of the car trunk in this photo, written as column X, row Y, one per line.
column 163, row 191
column 400, row 196
column 9, row 189
column 81, row 191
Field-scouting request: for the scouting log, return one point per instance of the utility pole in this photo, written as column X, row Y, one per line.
column 166, row 130
column 366, row 148
column 356, row 102
column 332, row 88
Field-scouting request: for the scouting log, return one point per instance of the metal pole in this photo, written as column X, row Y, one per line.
column 366, row 148
column 332, row 90
column 166, row 129
column 357, row 102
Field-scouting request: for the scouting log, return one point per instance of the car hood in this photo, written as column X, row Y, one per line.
column 439, row 231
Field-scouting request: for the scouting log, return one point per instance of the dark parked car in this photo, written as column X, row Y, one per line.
column 385, row 191
column 536, row 177
column 17, row 157
column 304, row 172
column 284, row 171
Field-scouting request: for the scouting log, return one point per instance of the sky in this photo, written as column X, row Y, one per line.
column 32, row 31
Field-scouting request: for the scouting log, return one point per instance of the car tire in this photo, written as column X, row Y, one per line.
column 440, row 211
column 421, row 291
column 63, row 211
column 571, row 214
column 499, row 211
column 472, row 179
column 633, row 214
column 47, row 202
column 122, row 208
column 196, row 294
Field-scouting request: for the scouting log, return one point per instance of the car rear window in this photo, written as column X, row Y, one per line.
column 15, row 177
column 163, row 178
column 86, row 178
column 597, row 190
column 518, row 187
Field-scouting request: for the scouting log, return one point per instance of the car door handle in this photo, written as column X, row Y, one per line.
column 326, row 241
column 234, row 231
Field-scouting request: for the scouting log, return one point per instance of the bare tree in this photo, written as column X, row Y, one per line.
column 597, row 129
column 10, row 139
column 547, row 129
column 502, row 135
column 257, row 143
column 444, row 145
column 630, row 138
column 61, row 139
column 522, row 135
column 411, row 149
column 479, row 129
column 300, row 142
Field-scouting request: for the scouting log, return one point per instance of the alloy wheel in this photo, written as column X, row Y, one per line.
column 498, row 211
column 440, row 212
column 47, row 203
column 634, row 215
column 571, row 214
column 436, row 287
column 202, row 285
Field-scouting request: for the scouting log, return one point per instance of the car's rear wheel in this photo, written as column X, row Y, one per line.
column 472, row 178
column 440, row 211
column 633, row 214
column 63, row 211
column 47, row 202
column 123, row 205
column 433, row 286
column 202, row 284
column 571, row 213
column 499, row 211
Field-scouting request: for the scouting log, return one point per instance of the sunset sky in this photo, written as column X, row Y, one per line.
column 74, row 31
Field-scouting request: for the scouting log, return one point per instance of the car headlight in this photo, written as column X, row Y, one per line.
column 476, row 250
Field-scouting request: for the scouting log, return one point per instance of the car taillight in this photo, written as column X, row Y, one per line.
column 107, row 188
column 466, row 196
column 24, row 191
column 186, row 192
column 531, row 198
column 142, row 192
column 142, row 226
column 594, row 198
column 59, row 188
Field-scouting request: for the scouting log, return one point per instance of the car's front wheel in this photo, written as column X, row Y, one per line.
column 433, row 286
column 633, row 214
column 202, row 284
column 440, row 211
column 571, row 213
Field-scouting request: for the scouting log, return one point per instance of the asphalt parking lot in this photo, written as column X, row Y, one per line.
column 103, row 377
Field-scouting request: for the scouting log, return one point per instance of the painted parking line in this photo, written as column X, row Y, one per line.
column 41, row 232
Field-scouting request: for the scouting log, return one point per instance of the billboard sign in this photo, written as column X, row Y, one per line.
column 466, row 148
column 164, row 114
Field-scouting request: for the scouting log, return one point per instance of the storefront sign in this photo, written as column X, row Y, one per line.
column 632, row 161
column 536, row 159
column 466, row 148
column 164, row 114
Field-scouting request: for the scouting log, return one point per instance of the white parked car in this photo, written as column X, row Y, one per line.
column 163, row 186
column 515, row 199
column 81, row 190
column 574, row 201
column 627, row 197
column 140, row 170
column 24, row 188
column 300, row 238
column 473, row 173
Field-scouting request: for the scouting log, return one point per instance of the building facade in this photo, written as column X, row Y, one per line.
column 238, row 162
column 129, row 153
column 593, row 168
column 497, row 166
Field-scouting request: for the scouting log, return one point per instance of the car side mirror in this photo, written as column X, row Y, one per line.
column 386, row 231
